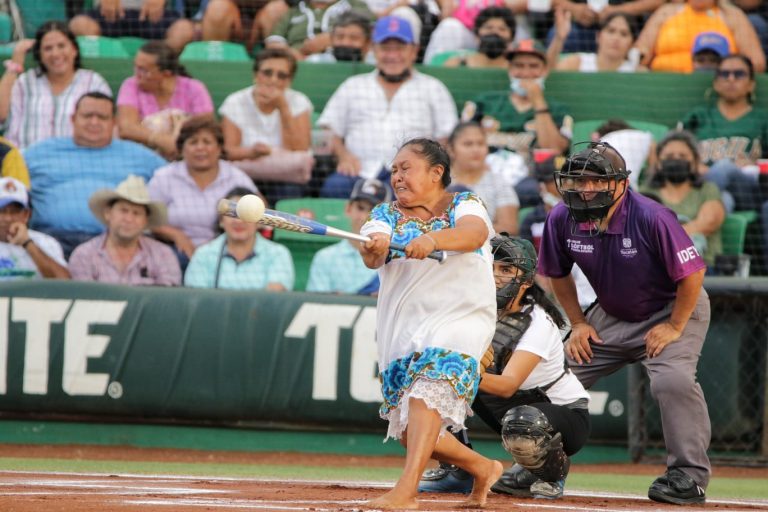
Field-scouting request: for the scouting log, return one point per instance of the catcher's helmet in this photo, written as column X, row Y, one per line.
column 520, row 253
column 599, row 160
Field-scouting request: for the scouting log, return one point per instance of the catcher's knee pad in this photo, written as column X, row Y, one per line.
column 530, row 438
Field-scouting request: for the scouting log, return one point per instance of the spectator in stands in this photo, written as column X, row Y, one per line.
column 122, row 254
column 614, row 46
column 191, row 188
column 154, row 103
column 677, row 182
column 267, row 127
column 65, row 171
column 12, row 164
column 149, row 19
column 350, row 40
column 586, row 19
column 368, row 114
column 523, row 118
column 494, row 29
column 709, row 48
column 468, row 150
column 39, row 103
column 240, row 258
column 25, row 253
column 757, row 13
column 667, row 39
column 248, row 21
column 356, row 278
column 732, row 133
column 306, row 27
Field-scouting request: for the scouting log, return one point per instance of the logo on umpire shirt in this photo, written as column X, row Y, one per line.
column 627, row 250
column 579, row 246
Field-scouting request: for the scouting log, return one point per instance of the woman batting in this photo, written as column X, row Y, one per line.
column 434, row 322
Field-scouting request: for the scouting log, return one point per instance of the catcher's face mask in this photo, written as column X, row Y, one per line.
column 588, row 183
column 514, row 265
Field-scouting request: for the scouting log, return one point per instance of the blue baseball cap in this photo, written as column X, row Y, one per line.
column 712, row 41
column 392, row 27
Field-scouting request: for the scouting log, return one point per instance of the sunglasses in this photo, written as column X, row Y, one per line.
column 269, row 73
column 738, row 74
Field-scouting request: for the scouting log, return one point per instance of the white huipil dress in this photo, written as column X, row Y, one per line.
column 434, row 321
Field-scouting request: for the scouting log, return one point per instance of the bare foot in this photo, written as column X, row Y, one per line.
column 483, row 485
column 393, row 500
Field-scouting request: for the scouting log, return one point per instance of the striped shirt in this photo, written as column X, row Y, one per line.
column 37, row 114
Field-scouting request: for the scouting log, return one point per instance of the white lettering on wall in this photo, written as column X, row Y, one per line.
column 3, row 345
column 38, row 314
column 80, row 345
column 364, row 383
column 327, row 319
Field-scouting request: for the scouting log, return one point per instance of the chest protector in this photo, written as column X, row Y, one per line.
column 509, row 331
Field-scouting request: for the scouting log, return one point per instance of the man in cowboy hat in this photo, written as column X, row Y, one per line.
column 123, row 255
column 25, row 253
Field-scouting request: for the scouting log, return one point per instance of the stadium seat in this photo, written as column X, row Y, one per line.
column 214, row 51
column 441, row 58
column 303, row 247
column 98, row 47
column 6, row 28
column 132, row 44
column 734, row 232
column 327, row 211
column 36, row 12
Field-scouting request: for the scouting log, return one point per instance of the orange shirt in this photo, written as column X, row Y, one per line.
column 678, row 33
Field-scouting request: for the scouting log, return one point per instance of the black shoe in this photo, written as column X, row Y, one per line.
column 676, row 487
column 516, row 481
column 448, row 479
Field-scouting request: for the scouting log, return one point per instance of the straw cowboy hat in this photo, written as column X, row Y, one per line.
column 134, row 190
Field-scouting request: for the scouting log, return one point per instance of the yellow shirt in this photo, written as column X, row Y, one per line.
column 678, row 33
column 13, row 165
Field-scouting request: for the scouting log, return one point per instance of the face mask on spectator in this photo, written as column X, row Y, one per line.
column 675, row 171
column 550, row 199
column 492, row 45
column 395, row 79
column 347, row 53
column 516, row 87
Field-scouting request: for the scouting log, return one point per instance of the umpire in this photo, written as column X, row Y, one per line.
column 650, row 307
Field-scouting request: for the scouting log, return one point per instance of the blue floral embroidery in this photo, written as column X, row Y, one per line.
column 405, row 229
column 459, row 370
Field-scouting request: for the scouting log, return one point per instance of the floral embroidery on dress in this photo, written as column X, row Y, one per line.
column 405, row 229
column 438, row 364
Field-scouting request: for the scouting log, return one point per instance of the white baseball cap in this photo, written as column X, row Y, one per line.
column 13, row 191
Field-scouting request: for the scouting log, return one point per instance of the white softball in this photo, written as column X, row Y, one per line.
column 250, row 208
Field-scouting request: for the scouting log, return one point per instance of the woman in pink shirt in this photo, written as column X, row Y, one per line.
column 153, row 104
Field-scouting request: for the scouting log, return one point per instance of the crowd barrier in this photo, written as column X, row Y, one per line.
column 93, row 351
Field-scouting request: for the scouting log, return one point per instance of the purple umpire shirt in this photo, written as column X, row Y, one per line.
column 634, row 266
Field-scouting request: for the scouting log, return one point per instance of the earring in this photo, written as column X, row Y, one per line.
column 752, row 96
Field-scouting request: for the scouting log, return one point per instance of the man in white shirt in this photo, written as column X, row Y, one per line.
column 24, row 253
column 371, row 114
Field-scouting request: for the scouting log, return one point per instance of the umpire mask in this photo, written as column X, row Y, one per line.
column 518, row 253
column 588, row 181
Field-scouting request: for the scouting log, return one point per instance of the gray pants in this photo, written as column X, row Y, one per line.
column 684, row 415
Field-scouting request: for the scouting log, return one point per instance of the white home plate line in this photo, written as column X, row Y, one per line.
column 343, row 483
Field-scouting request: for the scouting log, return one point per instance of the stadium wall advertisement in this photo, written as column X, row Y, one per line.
column 91, row 350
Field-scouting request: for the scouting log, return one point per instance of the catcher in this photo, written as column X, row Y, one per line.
column 528, row 394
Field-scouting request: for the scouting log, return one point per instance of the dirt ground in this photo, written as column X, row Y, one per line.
column 27, row 491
